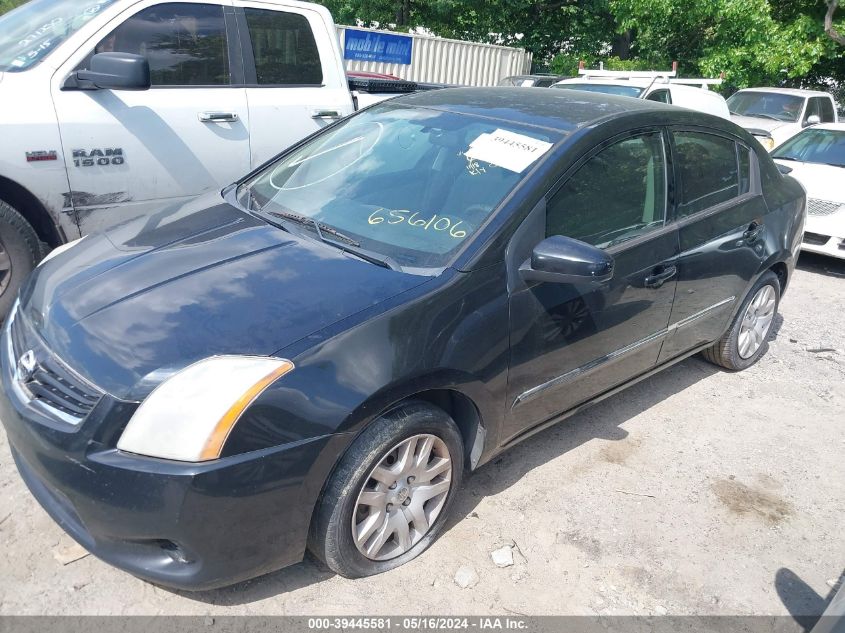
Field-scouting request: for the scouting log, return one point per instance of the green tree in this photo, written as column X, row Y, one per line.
column 750, row 41
column 8, row 5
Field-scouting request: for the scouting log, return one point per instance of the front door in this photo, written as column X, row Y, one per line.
column 129, row 153
column 570, row 343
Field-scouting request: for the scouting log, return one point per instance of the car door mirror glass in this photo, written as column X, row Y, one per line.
column 560, row 259
column 115, row 71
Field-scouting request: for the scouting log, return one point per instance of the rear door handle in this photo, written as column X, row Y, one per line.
column 658, row 279
column 753, row 232
column 326, row 114
column 218, row 117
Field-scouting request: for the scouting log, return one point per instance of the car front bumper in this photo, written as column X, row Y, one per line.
column 825, row 235
column 187, row 526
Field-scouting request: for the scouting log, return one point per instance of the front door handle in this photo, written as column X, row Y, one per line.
column 326, row 114
column 753, row 232
column 218, row 117
column 658, row 279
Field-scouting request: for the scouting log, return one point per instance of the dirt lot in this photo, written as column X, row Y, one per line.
column 695, row 492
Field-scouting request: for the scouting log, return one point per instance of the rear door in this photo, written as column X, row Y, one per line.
column 129, row 153
column 569, row 342
column 295, row 81
column 721, row 217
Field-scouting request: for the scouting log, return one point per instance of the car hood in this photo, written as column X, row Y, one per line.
column 127, row 308
column 823, row 182
column 757, row 124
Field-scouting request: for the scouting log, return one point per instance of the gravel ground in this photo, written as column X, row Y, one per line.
column 694, row 492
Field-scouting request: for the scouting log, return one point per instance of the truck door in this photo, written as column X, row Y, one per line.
column 130, row 153
column 295, row 80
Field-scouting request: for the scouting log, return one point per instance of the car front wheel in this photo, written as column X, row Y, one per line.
column 388, row 498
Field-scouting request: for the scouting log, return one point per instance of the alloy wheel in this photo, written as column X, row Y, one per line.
column 402, row 497
column 757, row 322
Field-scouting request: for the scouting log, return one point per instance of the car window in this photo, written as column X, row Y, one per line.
column 412, row 184
column 744, row 156
column 814, row 145
column 774, row 106
column 608, row 89
column 708, row 169
column 828, row 115
column 813, row 109
column 617, row 195
column 31, row 32
column 184, row 43
column 284, row 48
column 661, row 96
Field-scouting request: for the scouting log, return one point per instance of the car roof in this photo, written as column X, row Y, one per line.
column 560, row 110
column 798, row 92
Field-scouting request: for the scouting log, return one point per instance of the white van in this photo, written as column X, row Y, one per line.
column 657, row 88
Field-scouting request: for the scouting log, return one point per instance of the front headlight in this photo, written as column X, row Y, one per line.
column 190, row 415
column 768, row 142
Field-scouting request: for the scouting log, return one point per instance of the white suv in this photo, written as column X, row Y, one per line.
column 774, row 115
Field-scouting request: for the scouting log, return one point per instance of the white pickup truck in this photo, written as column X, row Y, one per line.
column 110, row 109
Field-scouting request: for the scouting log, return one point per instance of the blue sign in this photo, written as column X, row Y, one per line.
column 367, row 46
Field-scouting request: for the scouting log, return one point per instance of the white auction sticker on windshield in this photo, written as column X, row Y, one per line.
column 512, row 151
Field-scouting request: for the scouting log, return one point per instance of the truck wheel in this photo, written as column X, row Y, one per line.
column 20, row 252
column 389, row 496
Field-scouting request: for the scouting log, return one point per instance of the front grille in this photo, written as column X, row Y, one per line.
column 815, row 239
column 822, row 207
column 48, row 382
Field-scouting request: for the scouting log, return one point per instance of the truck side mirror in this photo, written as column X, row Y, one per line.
column 813, row 119
column 559, row 259
column 112, row 71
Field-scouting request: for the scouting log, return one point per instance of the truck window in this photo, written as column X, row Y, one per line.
column 284, row 48
column 661, row 96
column 828, row 115
column 185, row 43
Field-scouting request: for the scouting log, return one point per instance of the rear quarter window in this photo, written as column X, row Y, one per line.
column 709, row 170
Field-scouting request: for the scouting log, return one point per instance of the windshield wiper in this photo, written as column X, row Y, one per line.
column 319, row 226
column 343, row 242
column 763, row 115
column 834, row 164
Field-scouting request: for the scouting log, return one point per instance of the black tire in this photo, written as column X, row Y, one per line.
column 725, row 352
column 20, row 252
column 331, row 538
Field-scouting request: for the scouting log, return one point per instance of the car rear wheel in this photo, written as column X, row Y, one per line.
column 20, row 252
column 747, row 339
column 388, row 498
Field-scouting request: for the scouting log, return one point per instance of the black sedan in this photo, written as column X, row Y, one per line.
column 316, row 355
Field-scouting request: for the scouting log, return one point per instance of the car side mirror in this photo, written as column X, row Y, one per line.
column 112, row 71
column 562, row 260
column 813, row 119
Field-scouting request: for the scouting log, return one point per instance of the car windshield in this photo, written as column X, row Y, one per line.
column 766, row 105
column 815, row 146
column 31, row 32
column 608, row 89
column 411, row 184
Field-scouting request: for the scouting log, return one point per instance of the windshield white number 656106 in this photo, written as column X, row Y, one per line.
column 434, row 223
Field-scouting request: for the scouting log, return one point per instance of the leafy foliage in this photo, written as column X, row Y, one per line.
column 753, row 42
column 8, row 5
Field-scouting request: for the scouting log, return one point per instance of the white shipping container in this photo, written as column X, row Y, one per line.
column 440, row 60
